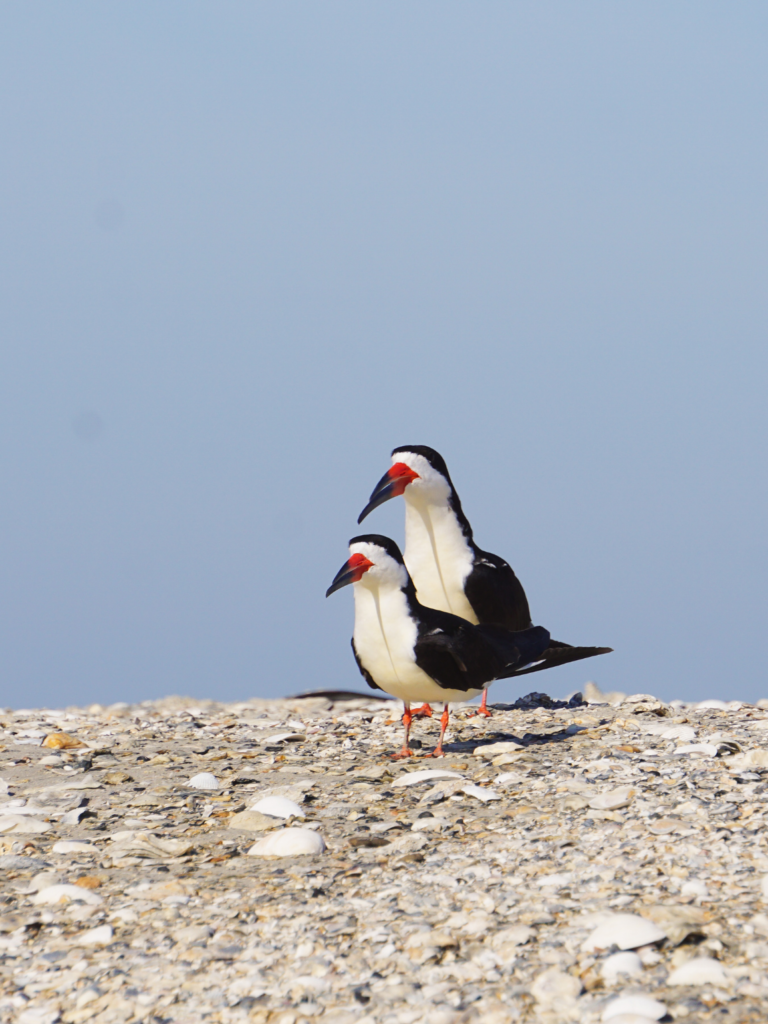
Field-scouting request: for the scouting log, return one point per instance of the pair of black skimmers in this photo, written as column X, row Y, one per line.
column 444, row 621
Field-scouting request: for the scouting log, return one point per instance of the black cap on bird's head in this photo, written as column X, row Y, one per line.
column 435, row 459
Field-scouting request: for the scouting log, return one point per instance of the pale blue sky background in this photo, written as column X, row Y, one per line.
column 248, row 248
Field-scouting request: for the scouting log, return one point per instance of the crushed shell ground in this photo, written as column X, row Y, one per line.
column 581, row 861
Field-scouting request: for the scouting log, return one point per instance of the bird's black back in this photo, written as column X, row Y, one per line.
column 495, row 593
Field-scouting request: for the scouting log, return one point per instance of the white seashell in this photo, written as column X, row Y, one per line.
column 204, row 781
column 66, row 894
column 613, row 799
column 554, row 987
column 73, row 817
column 73, row 846
column 507, row 778
column 555, row 881
column 412, row 778
column 705, row 749
column 122, row 836
column 410, row 842
column 627, row 931
column 14, row 807
column 278, row 807
column 621, row 964
column 695, row 887
column 100, row 936
column 503, row 747
column 715, row 705
column 679, row 732
column 283, row 737
column 39, row 1015
column 638, row 1006
column 485, row 795
column 754, row 758
column 516, row 935
column 764, row 886
column 41, row 881
column 430, row 824
column 289, row 842
column 703, row 970
column 21, row 823
column 632, row 1018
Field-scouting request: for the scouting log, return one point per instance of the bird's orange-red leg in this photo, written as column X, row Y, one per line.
column 483, row 709
column 407, row 719
column 438, row 751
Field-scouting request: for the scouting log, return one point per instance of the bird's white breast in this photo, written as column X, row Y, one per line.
column 437, row 556
column 385, row 636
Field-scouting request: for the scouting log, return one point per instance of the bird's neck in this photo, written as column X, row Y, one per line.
column 439, row 556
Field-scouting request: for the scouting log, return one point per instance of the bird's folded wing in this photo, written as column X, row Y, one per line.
column 515, row 648
column 438, row 646
column 493, row 590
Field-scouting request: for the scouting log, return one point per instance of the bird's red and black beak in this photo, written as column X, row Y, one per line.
column 352, row 571
column 391, row 485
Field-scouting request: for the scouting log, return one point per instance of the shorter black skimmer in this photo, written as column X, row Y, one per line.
column 450, row 571
column 418, row 653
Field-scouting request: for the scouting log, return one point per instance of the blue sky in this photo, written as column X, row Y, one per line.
column 248, row 249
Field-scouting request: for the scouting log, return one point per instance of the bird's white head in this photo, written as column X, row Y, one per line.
column 374, row 562
column 418, row 472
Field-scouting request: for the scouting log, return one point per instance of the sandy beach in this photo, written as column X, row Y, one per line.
column 567, row 861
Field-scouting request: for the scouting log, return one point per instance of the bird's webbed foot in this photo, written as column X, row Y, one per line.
column 405, row 752
column 425, row 711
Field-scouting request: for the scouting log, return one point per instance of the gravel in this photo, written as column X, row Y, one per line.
column 566, row 861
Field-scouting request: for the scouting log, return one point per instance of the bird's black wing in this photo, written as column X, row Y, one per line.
column 495, row 593
column 554, row 656
column 455, row 654
column 515, row 648
column 363, row 670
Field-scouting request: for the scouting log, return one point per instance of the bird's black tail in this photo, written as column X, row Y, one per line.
column 555, row 654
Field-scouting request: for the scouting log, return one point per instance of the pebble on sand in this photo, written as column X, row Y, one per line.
column 553, row 988
column 61, row 741
column 65, row 894
column 433, row 824
column 412, row 778
column 252, row 821
column 289, row 842
column 204, row 780
column 613, row 799
column 22, row 823
column 100, row 936
column 73, row 846
column 554, row 881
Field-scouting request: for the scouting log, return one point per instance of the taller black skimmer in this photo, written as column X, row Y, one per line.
column 418, row 653
column 450, row 571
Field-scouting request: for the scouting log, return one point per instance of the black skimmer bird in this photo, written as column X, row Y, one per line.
column 418, row 653
column 450, row 571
